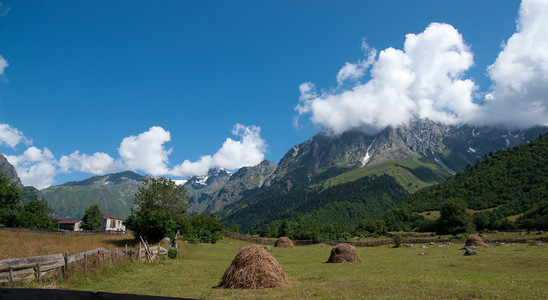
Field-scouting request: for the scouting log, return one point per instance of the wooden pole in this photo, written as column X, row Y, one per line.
column 38, row 272
column 85, row 262
column 126, row 252
column 66, row 264
column 139, row 253
column 117, row 255
column 11, row 275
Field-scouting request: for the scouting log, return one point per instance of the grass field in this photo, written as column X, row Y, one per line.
column 24, row 244
column 509, row 271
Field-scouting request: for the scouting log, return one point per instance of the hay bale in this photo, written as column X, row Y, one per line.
column 344, row 253
column 252, row 268
column 474, row 240
column 284, row 242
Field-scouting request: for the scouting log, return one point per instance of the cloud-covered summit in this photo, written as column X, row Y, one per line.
column 427, row 79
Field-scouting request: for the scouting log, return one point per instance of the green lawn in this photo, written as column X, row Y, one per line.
column 514, row 271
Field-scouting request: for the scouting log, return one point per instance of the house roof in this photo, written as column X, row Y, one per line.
column 68, row 221
column 109, row 216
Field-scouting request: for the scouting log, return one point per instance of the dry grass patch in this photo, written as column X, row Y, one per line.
column 24, row 244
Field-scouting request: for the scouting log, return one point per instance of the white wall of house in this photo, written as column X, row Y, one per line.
column 113, row 224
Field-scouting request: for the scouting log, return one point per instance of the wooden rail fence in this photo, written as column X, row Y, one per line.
column 26, row 269
column 376, row 242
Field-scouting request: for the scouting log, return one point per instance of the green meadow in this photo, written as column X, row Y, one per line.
column 518, row 271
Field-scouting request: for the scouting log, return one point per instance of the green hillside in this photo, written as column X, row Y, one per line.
column 410, row 174
column 497, row 188
column 113, row 193
column 366, row 197
column 512, row 180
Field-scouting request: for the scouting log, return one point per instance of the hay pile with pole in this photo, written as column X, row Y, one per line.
column 474, row 240
column 284, row 242
column 252, row 268
column 344, row 253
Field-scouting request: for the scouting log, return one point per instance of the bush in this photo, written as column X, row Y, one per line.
column 151, row 225
column 172, row 253
column 201, row 229
column 398, row 239
column 454, row 218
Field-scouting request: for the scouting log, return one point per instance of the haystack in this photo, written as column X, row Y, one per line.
column 284, row 242
column 344, row 253
column 252, row 268
column 474, row 240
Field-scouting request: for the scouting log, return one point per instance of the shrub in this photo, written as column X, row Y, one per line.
column 398, row 239
column 172, row 253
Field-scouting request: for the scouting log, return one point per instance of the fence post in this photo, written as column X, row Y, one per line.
column 38, row 271
column 117, row 255
column 139, row 253
column 85, row 262
column 11, row 275
column 66, row 264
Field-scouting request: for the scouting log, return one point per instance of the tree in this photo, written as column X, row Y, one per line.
column 454, row 218
column 35, row 214
column 93, row 218
column 160, row 208
column 10, row 197
column 202, row 228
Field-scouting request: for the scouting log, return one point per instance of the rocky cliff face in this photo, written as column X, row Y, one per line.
column 9, row 171
column 29, row 192
column 453, row 147
column 202, row 189
column 245, row 182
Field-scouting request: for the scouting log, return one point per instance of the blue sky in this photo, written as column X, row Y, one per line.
column 93, row 87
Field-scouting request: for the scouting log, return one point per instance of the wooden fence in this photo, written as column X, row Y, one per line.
column 61, row 232
column 375, row 242
column 26, row 269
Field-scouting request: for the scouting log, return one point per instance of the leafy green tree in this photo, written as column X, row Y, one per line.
column 202, row 228
column 10, row 197
column 160, row 208
column 536, row 218
column 93, row 218
column 234, row 227
column 454, row 218
column 35, row 214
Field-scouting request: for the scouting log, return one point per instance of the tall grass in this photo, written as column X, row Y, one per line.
column 513, row 271
column 24, row 244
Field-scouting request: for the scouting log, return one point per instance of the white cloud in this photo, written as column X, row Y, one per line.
column 427, row 79
column 233, row 154
column 12, row 136
column 424, row 79
column 35, row 167
column 354, row 71
column 99, row 163
column 4, row 10
column 146, row 151
column 3, row 64
column 520, row 72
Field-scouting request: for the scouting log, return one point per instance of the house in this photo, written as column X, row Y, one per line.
column 71, row 225
column 113, row 223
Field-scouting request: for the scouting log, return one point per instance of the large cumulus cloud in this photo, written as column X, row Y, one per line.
column 427, row 79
